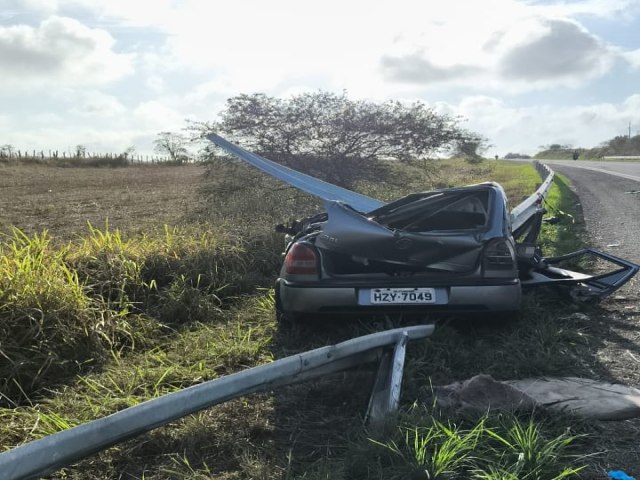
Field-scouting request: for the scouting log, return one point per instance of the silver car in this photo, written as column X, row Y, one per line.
column 442, row 250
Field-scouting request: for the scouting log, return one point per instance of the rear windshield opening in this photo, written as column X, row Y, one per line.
column 440, row 211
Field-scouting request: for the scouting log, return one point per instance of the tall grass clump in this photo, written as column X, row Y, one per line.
column 493, row 447
column 65, row 309
column 434, row 450
column 521, row 450
column 47, row 326
column 177, row 274
column 202, row 352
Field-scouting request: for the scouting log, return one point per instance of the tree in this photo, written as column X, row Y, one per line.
column 472, row 147
column 511, row 155
column 128, row 153
column 555, row 147
column 80, row 151
column 333, row 137
column 174, row 145
column 7, row 150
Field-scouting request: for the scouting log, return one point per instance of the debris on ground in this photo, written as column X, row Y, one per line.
column 582, row 397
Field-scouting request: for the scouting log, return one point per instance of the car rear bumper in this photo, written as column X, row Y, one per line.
column 298, row 298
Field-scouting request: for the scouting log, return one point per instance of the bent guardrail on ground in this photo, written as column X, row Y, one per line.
column 525, row 210
column 46, row 455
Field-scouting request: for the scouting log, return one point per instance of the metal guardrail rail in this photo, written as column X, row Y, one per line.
column 324, row 190
column 527, row 208
column 44, row 456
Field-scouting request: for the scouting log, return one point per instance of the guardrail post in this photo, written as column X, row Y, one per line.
column 385, row 397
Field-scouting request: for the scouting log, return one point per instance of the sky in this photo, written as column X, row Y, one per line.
column 112, row 74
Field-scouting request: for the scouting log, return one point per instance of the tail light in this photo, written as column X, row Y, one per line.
column 301, row 259
column 499, row 259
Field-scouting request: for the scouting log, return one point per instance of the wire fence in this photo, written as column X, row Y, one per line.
column 46, row 156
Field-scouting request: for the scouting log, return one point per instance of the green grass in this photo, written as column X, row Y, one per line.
column 518, row 179
column 63, row 310
column 179, row 306
column 237, row 340
column 425, row 446
column 429, row 451
column 568, row 234
column 48, row 325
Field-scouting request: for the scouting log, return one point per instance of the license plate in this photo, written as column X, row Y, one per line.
column 399, row 296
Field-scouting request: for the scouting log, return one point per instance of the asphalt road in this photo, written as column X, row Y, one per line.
column 610, row 196
column 626, row 170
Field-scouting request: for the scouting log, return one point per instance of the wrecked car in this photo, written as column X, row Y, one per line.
column 455, row 249
column 449, row 248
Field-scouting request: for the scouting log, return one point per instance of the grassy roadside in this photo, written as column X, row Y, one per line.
column 201, row 315
column 568, row 234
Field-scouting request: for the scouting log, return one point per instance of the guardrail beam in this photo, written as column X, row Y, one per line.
column 41, row 457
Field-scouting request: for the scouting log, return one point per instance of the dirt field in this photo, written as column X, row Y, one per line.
column 63, row 200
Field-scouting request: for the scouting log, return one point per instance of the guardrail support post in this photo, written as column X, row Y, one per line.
column 385, row 397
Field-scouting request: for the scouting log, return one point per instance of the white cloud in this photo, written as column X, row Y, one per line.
column 607, row 9
column 46, row 119
column 417, row 69
column 41, row 5
column 64, row 135
column 60, row 51
column 44, row 7
column 528, row 54
column 158, row 13
column 202, row 52
column 155, row 83
column 633, row 58
column 524, row 129
column 632, row 105
column 155, row 116
column 256, row 45
column 94, row 103
column 559, row 50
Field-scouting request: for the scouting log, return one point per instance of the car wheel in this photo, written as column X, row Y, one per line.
column 282, row 316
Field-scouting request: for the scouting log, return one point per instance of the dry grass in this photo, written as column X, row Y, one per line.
column 63, row 200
